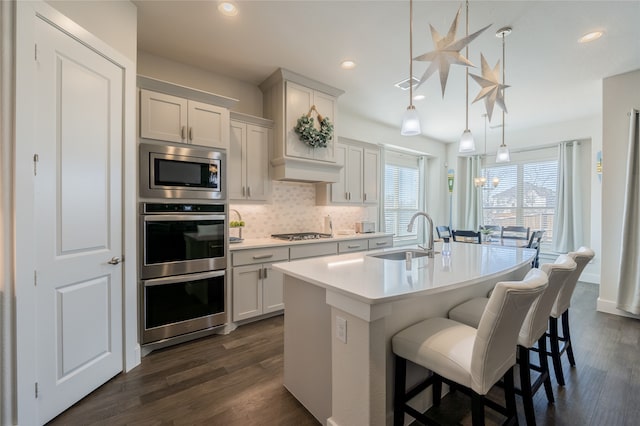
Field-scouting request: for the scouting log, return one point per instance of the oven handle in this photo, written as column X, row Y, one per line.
column 182, row 217
column 182, row 278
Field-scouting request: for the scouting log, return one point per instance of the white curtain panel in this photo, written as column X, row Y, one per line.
column 629, row 285
column 472, row 203
column 567, row 226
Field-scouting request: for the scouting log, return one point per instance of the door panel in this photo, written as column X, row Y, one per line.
column 235, row 169
column 257, row 157
column 208, row 124
column 78, row 217
column 163, row 117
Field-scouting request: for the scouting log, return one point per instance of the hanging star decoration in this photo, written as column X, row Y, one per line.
column 492, row 90
column 447, row 52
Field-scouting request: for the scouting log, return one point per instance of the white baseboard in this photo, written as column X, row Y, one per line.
column 610, row 307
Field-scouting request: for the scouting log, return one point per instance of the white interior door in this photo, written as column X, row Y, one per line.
column 77, row 220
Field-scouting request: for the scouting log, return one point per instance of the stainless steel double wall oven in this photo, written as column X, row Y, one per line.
column 183, row 241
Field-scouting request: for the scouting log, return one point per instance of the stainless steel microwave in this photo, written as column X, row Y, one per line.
column 179, row 171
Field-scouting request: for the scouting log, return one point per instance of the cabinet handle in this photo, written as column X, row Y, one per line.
column 263, row 256
column 382, row 243
column 346, row 195
column 243, row 191
column 260, row 273
column 190, row 133
column 182, row 131
column 354, row 246
column 248, row 191
column 365, row 197
column 264, row 275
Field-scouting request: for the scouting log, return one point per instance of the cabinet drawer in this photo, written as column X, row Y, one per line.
column 265, row 255
column 313, row 250
column 355, row 245
column 382, row 242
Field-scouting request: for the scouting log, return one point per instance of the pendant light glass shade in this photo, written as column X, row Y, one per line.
column 467, row 144
column 410, row 122
column 502, row 156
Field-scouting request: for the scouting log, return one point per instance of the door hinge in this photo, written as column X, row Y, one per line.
column 36, row 389
column 36, row 158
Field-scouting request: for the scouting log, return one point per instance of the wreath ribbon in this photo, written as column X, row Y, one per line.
column 309, row 134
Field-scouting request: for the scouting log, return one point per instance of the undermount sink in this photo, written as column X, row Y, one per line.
column 400, row 255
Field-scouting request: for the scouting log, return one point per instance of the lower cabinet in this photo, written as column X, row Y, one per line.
column 257, row 290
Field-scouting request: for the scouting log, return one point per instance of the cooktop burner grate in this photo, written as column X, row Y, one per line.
column 298, row 236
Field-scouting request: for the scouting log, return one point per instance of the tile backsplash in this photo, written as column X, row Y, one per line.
column 293, row 209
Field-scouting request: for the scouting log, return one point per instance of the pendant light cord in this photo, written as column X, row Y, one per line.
column 410, row 53
column 466, row 119
column 503, row 90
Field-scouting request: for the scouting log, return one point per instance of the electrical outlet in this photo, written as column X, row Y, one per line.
column 341, row 329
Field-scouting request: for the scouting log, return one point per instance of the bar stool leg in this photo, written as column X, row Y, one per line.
column 555, row 350
column 510, row 398
column 525, row 385
column 567, row 337
column 437, row 390
column 544, row 366
column 477, row 409
column 399, row 391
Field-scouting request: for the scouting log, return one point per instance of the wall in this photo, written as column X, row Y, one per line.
column 249, row 95
column 621, row 93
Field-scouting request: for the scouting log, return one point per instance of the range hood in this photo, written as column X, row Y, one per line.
column 288, row 96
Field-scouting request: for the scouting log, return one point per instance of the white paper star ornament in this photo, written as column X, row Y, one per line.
column 446, row 53
column 492, row 91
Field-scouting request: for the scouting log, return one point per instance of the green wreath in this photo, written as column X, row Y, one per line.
column 309, row 134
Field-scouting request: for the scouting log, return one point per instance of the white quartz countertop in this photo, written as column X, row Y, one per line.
column 373, row 280
column 274, row 242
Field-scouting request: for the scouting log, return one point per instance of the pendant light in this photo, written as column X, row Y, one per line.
column 467, row 144
column 502, row 156
column 410, row 119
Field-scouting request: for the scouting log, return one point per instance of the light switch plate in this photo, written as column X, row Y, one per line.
column 341, row 329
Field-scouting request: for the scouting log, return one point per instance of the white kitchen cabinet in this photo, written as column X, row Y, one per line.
column 257, row 288
column 287, row 97
column 175, row 119
column 353, row 246
column 359, row 181
column 380, row 242
column 249, row 147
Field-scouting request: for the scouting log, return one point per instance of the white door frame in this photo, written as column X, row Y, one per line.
column 25, row 294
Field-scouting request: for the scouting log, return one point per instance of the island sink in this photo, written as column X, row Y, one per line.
column 400, row 255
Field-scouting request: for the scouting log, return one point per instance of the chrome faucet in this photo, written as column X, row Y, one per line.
column 429, row 248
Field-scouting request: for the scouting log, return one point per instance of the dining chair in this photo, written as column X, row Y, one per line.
column 471, row 359
column 560, row 309
column 464, row 236
column 515, row 232
column 534, row 243
column 533, row 331
column 443, row 231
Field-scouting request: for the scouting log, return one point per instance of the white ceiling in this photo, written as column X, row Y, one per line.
column 552, row 77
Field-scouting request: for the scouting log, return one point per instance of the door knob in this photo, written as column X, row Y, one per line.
column 114, row 260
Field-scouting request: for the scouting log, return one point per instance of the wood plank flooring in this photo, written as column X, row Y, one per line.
column 237, row 380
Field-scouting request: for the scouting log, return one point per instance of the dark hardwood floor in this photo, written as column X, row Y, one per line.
column 237, row 380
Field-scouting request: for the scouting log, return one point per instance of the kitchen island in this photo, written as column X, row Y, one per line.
column 343, row 310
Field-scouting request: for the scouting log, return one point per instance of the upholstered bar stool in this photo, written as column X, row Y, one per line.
column 533, row 330
column 560, row 309
column 471, row 359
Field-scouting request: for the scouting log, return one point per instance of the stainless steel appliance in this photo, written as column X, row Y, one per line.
column 181, row 172
column 182, row 304
column 364, row 227
column 298, row 236
column 182, row 238
column 183, row 260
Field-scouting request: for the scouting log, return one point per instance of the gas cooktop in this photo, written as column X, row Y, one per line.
column 298, row 236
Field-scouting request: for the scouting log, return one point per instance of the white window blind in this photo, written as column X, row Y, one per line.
column 525, row 196
column 402, row 193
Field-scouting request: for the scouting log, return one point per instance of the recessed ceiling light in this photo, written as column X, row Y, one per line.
column 418, row 97
column 347, row 64
column 227, row 8
column 592, row 36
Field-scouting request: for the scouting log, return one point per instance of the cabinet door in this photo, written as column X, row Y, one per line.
column 257, row 163
column 208, row 125
column 236, row 184
column 272, row 285
column 247, row 292
column 371, row 176
column 339, row 188
column 163, row 117
column 298, row 101
column 326, row 106
column 355, row 161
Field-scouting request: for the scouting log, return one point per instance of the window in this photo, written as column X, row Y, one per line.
column 525, row 196
column 401, row 194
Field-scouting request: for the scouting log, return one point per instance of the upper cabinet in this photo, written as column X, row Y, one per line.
column 359, row 179
column 287, row 97
column 176, row 113
column 249, row 147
